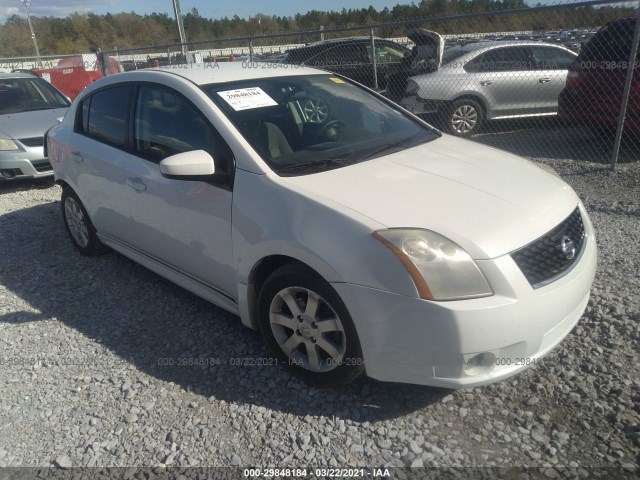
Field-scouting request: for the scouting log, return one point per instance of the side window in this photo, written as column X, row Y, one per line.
column 346, row 54
column 105, row 115
column 506, row 59
column 166, row 123
column 550, row 58
column 385, row 53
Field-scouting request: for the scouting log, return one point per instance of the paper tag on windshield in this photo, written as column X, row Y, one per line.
column 246, row 98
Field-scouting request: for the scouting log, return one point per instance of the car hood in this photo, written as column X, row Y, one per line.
column 486, row 200
column 30, row 124
column 434, row 43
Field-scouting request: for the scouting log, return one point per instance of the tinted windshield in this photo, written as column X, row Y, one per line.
column 29, row 94
column 304, row 124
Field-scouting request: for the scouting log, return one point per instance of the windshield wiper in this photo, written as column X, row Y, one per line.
column 320, row 164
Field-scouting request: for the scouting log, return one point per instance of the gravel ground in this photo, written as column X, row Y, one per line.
column 106, row 364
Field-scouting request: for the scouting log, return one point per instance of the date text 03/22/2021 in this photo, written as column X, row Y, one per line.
column 359, row 472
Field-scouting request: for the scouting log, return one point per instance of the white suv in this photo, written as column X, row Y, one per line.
column 353, row 235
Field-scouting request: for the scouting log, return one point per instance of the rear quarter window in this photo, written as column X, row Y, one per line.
column 105, row 115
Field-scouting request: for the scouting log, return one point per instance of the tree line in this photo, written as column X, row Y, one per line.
column 89, row 32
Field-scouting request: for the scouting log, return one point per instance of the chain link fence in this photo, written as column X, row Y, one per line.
column 568, row 93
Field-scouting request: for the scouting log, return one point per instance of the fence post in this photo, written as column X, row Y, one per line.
column 374, row 65
column 627, row 90
column 250, row 50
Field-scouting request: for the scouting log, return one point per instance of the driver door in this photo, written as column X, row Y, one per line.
column 183, row 224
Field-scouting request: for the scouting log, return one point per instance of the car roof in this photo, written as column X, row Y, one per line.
column 488, row 45
column 223, row 72
column 4, row 76
column 331, row 41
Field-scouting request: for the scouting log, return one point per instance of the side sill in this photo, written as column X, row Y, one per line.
column 195, row 286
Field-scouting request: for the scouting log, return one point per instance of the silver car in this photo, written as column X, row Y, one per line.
column 29, row 106
column 490, row 80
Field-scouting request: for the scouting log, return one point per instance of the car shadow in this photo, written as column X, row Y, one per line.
column 551, row 139
column 167, row 332
column 20, row 185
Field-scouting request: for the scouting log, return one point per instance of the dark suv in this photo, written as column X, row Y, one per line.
column 353, row 58
column 595, row 82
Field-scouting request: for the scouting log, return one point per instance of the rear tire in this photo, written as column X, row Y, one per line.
column 308, row 328
column 464, row 117
column 78, row 224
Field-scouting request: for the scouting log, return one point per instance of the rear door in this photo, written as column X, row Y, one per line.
column 100, row 136
column 504, row 77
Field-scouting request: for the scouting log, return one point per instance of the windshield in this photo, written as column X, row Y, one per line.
column 304, row 124
column 29, row 94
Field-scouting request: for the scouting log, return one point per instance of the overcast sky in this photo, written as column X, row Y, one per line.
column 206, row 8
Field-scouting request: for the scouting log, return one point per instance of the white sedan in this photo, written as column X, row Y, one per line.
column 353, row 235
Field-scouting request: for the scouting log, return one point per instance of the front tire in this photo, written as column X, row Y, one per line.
column 308, row 328
column 78, row 224
column 464, row 118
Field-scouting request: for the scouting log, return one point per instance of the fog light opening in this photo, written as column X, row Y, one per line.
column 8, row 174
column 479, row 363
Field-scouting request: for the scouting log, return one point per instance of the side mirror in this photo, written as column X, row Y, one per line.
column 194, row 165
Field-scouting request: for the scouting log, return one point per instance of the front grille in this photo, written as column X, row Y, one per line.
column 32, row 142
column 42, row 166
column 552, row 255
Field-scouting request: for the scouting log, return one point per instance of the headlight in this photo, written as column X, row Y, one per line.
column 7, row 144
column 440, row 269
column 412, row 87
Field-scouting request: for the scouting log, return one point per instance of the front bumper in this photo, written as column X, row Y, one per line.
column 470, row 342
column 24, row 165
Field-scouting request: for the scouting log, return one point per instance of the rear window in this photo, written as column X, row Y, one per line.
column 452, row 54
column 612, row 43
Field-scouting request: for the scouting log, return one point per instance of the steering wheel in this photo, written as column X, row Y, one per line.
column 331, row 130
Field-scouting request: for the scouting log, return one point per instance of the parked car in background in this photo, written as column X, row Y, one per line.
column 488, row 81
column 595, row 84
column 356, row 237
column 29, row 106
column 72, row 74
column 353, row 58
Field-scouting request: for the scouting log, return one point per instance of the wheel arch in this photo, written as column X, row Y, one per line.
column 258, row 275
column 63, row 184
column 479, row 99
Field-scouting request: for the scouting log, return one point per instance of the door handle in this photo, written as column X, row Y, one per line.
column 137, row 184
column 484, row 83
column 77, row 157
column 544, row 80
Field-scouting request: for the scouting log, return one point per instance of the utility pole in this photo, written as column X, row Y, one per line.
column 33, row 34
column 183, row 38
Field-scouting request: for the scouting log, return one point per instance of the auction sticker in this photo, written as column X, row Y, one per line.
column 247, row 98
